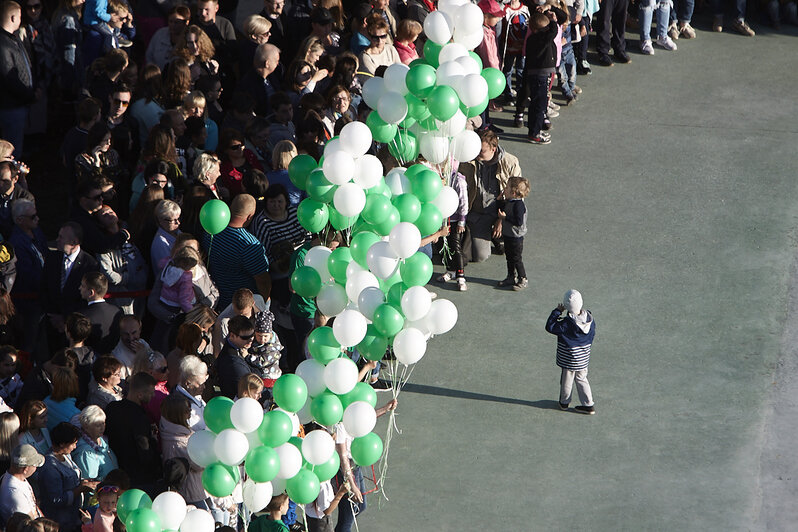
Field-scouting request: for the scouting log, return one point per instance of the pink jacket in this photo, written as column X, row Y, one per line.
column 488, row 50
column 407, row 52
column 178, row 288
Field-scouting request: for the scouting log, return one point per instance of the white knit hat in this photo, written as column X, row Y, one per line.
column 572, row 301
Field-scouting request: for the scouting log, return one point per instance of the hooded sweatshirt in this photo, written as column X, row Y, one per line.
column 178, row 287
column 575, row 333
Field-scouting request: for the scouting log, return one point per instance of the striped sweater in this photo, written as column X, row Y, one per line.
column 573, row 339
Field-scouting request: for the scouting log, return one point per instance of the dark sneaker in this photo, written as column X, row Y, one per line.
column 605, row 60
column 563, row 406
column 509, row 281
column 546, row 124
column 623, row 57
column 589, row 410
column 498, row 248
column 124, row 42
column 380, row 384
column 519, row 121
column 539, row 139
column 583, row 68
column 522, row 282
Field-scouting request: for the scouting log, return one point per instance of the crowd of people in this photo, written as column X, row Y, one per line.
column 115, row 334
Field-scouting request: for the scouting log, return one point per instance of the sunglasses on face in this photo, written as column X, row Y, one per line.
column 123, row 103
column 236, row 147
column 247, row 337
column 379, row 37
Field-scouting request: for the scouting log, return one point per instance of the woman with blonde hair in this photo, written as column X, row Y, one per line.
column 9, row 438
column 207, row 169
column 93, row 455
column 167, row 214
column 257, row 30
column 196, row 48
column 310, row 50
column 282, row 155
column 194, row 104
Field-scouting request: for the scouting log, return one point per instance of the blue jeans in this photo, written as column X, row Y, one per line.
column 646, row 14
column 538, row 85
column 683, row 9
column 568, row 71
column 12, row 126
column 347, row 510
column 739, row 8
column 511, row 61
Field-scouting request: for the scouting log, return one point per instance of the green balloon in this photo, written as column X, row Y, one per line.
column 377, row 209
column 415, row 107
column 426, row 185
column 386, row 284
column 290, row 392
column 420, row 80
column 312, row 215
column 373, row 345
column 414, row 170
column 476, row 58
column 496, row 82
column 219, row 479
column 303, row 488
column 323, row 346
column 419, row 61
column 337, row 262
column 143, row 520
column 381, row 131
column 319, row 188
column 306, row 281
column 430, row 219
column 389, row 223
column 326, row 409
column 416, row 270
column 339, row 221
column 262, row 463
column 275, row 429
column 431, row 52
column 380, row 188
column 214, row 216
column 404, row 146
column 300, row 168
column 361, row 392
column 296, row 441
column 130, row 501
column 328, row 469
column 428, row 123
column 443, row 102
column 388, row 320
column 408, row 206
column 366, row 450
column 396, row 292
column 407, row 122
column 360, row 245
column 477, row 110
column 217, row 414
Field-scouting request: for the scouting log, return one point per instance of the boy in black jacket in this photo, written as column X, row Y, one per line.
column 541, row 63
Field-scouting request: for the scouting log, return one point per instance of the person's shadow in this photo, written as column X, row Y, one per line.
column 546, row 404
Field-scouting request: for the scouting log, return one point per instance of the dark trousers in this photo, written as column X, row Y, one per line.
column 514, row 253
column 612, row 26
column 454, row 259
column 580, row 48
column 302, row 328
column 538, row 86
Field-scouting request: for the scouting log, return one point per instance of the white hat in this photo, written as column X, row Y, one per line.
column 572, row 301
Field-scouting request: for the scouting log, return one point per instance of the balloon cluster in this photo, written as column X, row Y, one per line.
column 168, row 511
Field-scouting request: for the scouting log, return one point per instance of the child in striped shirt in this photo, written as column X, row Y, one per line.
column 575, row 331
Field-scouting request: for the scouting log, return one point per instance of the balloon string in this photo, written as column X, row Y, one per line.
column 208, row 258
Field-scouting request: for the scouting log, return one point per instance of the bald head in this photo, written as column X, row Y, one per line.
column 243, row 206
column 267, row 56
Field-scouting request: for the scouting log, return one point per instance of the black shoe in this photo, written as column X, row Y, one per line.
column 546, row 124
column 498, row 248
column 623, row 57
column 605, row 60
column 509, row 281
column 519, row 121
column 589, row 410
column 563, row 406
column 496, row 129
column 380, row 384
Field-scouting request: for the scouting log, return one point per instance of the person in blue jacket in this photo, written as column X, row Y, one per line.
column 575, row 331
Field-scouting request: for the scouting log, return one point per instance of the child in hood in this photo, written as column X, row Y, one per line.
column 179, row 278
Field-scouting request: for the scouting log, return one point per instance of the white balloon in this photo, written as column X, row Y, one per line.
column 198, row 521
column 357, row 282
column 318, row 447
column 369, row 300
column 470, row 39
column 340, row 376
column 419, row 325
column 290, row 460
column 171, row 508
column 452, row 51
column 359, row 418
column 438, row 27
column 294, row 421
column 338, row 167
column 434, row 147
column 392, row 106
column 416, row 302
column 447, row 201
column 397, row 182
column 355, row 138
column 382, row 261
column 405, row 239
column 469, row 65
column 352, row 269
column 472, row 90
column 469, row 18
column 246, row 414
column 409, row 345
column 368, row 171
column 317, row 258
column 466, row 145
column 257, row 495
column 332, row 299
column 447, row 71
column 312, row 372
column 442, row 316
column 453, row 126
column 303, row 413
column 373, row 89
column 231, row 447
column 349, row 199
column 395, row 78
column 278, row 485
column 450, row 7
column 253, row 439
column 333, row 145
column 200, row 448
column 349, row 327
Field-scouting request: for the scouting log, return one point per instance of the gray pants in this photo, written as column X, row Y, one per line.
column 582, row 386
column 481, row 227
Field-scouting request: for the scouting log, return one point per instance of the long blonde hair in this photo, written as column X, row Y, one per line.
column 9, row 434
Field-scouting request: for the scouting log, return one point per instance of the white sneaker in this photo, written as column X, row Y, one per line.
column 646, row 47
column 667, row 43
column 446, row 277
column 461, row 284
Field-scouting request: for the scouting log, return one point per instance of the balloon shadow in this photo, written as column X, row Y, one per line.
column 462, row 394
